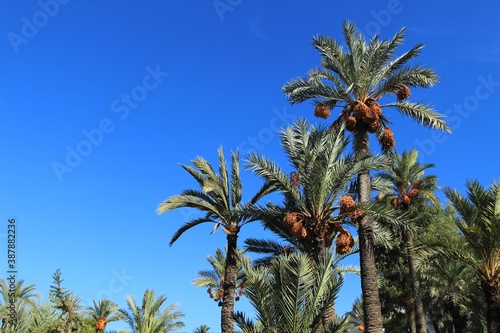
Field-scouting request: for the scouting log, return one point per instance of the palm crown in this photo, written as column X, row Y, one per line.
column 220, row 197
column 357, row 78
column 313, row 191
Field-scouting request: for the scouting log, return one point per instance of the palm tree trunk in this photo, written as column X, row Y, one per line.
column 371, row 299
column 459, row 321
column 434, row 321
column 421, row 321
column 230, row 275
column 319, row 254
column 410, row 309
column 492, row 306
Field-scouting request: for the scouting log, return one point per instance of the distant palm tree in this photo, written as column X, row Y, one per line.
column 450, row 288
column 202, row 329
column 479, row 248
column 291, row 295
column 39, row 317
column 354, row 79
column 103, row 312
column 19, row 297
column 410, row 185
column 214, row 278
column 148, row 316
column 220, row 198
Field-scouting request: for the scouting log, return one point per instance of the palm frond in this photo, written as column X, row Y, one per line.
column 422, row 113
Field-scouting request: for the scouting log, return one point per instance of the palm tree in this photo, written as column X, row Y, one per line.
column 450, row 292
column 148, row 318
column 410, row 187
column 355, row 80
column 202, row 329
column 20, row 297
column 214, row 278
column 479, row 248
column 316, row 194
column 309, row 218
column 103, row 312
column 220, row 198
column 291, row 295
column 39, row 317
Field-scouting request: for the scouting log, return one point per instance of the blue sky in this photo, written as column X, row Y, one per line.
column 99, row 102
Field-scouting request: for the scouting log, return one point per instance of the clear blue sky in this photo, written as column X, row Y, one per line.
column 155, row 83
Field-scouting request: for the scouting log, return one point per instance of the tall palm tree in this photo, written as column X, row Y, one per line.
column 291, row 295
column 103, row 312
column 148, row 316
column 409, row 188
column 479, row 248
column 315, row 193
column 214, row 278
column 220, row 198
column 355, row 80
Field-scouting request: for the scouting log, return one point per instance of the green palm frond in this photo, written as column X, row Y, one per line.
column 149, row 318
column 290, row 295
column 189, row 225
column 362, row 70
column 423, row 113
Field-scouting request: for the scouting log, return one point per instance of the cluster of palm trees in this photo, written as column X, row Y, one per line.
column 327, row 193
column 423, row 267
column 63, row 313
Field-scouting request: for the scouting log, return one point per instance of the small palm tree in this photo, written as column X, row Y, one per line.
column 39, row 317
column 214, row 279
column 20, row 297
column 450, row 293
column 479, row 248
column 291, row 295
column 202, row 329
column 355, row 79
column 103, row 312
column 220, row 198
column 148, row 317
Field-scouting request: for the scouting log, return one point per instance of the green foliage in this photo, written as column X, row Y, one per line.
column 214, row 278
column 324, row 173
column 219, row 196
column 291, row 295
column 148, row 316
column 365, row 70
column 67, row 305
